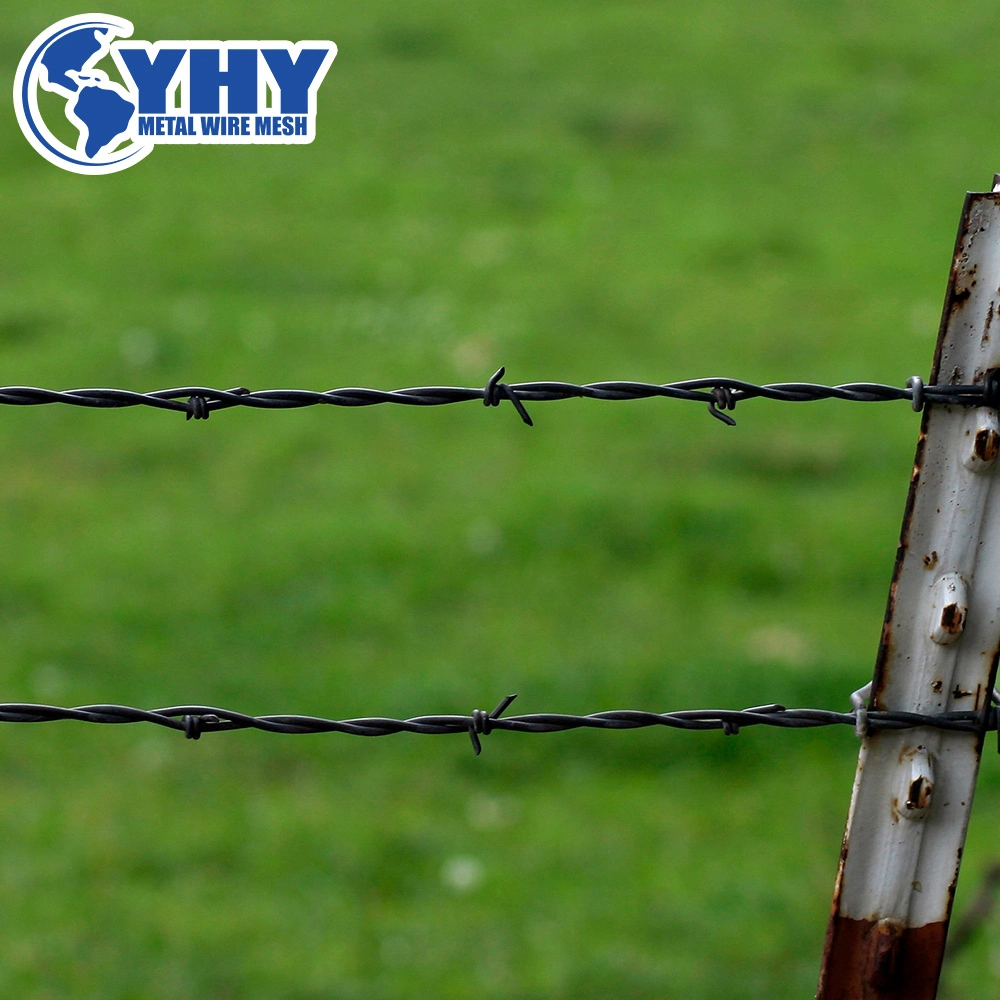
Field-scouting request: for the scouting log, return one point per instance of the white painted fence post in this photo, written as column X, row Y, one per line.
column 913, row 789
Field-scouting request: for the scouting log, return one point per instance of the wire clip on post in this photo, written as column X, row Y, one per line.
column 991, row 389
column 859, row 699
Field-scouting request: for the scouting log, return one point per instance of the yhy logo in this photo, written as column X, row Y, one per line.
column 171, row 92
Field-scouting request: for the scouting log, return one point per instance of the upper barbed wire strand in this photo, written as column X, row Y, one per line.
column 200, row 401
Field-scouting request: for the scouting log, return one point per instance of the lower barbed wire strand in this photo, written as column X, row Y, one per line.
column 196, row 720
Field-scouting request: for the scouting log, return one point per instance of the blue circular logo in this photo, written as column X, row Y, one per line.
column 63, row 61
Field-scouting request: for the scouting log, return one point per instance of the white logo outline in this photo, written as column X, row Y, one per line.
column 274, row 122
column 32, row 74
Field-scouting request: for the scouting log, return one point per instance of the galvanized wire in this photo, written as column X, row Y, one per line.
column 720, row 394
column 196, row 720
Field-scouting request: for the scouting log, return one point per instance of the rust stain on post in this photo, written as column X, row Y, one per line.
column 987, row 445
column 881, row 960
column 919, row 795
column 952, row 619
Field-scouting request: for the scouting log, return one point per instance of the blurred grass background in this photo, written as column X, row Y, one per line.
column 578, row 191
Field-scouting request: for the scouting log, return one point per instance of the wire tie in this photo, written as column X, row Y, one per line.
column 916, row 383
column 482, row 722
column 859, row 700
column 197, row 407
column 722, row 398
column 730, row 728
column 495, row 390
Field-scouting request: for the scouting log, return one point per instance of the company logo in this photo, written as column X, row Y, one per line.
column 170, row 92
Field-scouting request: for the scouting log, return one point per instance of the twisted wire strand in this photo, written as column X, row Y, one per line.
column 195, row 720
column 720, row 394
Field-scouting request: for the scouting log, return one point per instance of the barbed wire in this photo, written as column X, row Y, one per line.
column 196, row 720
column 720, row 395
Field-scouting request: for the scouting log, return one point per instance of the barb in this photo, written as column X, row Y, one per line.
column 720, row 395
column 722, row 399
column 483, row 723
column 495, row 389
column 196, row 720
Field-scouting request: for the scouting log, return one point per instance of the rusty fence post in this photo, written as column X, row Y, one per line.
column 913, row 788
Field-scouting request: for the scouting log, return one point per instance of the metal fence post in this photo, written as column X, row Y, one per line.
column 913, row 788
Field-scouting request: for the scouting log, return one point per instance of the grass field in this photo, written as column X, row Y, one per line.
column 577, row 191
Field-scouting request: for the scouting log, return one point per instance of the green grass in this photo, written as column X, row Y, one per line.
column 577, row 191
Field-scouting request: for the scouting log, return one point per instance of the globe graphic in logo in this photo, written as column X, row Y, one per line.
column 63, row 60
